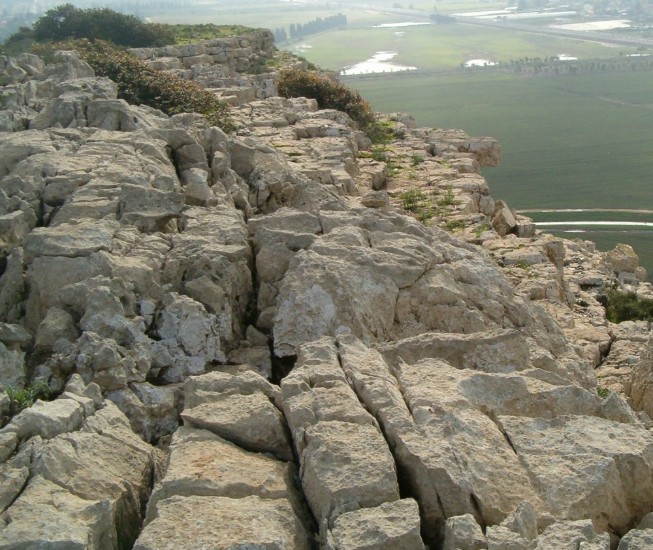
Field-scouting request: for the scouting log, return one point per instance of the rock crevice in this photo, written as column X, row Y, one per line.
column 262, row 327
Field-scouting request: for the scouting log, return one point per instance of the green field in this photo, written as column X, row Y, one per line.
column 582, row 141
column 576, row 141
column 441, row 47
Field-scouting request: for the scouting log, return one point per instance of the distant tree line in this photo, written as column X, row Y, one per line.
column 553, row 66
column 66, row 22
column 299, row 31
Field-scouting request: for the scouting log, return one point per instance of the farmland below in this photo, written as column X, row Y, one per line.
column 576, row 141
column 575, row 134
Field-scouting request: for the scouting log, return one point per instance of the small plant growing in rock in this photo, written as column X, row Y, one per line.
column 411, row 199
column 448, row 198
column 22, row 399
column 481, row 229
column 523, row 264
column 416, row 160
column 378, row 155
column 602, row 392
column 454, row 225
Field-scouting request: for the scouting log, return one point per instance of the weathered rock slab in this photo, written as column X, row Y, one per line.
column 390, row 526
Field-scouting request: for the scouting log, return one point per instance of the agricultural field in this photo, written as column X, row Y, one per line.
column 570, row 141
column 573, row 141
column 443, row 47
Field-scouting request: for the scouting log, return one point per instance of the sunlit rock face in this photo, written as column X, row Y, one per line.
column 275, row 328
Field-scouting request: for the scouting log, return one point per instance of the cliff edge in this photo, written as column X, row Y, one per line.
column 284, row 338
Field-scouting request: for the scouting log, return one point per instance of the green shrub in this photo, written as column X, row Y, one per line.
column 66, row 22
column 18, row 42
column 627, row 306
column 416, row 160
column 448, row 198
column 411, row 199
column 22, row 399
column 331, row 94
column 140, row 84
column 454, row 225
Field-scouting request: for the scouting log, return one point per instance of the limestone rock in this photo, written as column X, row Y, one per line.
column 250, row 421
column 522, row 521
column 47, row 515
column 12, row 367
column 48, row 419
column 597, row 474
column 413, row 417
column 622, row 258
column 462, row 532
column 153, row 411
column 203, row 464
column 345, row 461
column 14, row 474
column 572, row 534
column 255, row 358
column 377, row 199
column 86, row 488
column 14, row 336
column 390, row 526
column 69, row 240
column 189, row 338
column 271, row 524
column 57, row 324
column 345, row 467
column 503, row 220
column 502, row 538
column 636, row 539
column 640, row 387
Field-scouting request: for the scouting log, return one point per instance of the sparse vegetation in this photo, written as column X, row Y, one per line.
column 627, row 306
column 331, row 94
column 416, row 160
column 411, row 199
column 478, row 231
column 448, row 198
column 22, row 399
column 602, row 392
column 138, row 83
column 454, row 225
column 192, row 34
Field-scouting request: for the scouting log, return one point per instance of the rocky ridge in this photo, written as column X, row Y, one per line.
column 252, row 328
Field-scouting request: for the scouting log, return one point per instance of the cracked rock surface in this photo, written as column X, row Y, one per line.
column 250, row 343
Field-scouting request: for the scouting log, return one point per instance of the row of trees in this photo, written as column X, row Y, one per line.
column 299, row 31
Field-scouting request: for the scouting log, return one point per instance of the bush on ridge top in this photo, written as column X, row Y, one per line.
column 331, row 94
column 140, row 84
